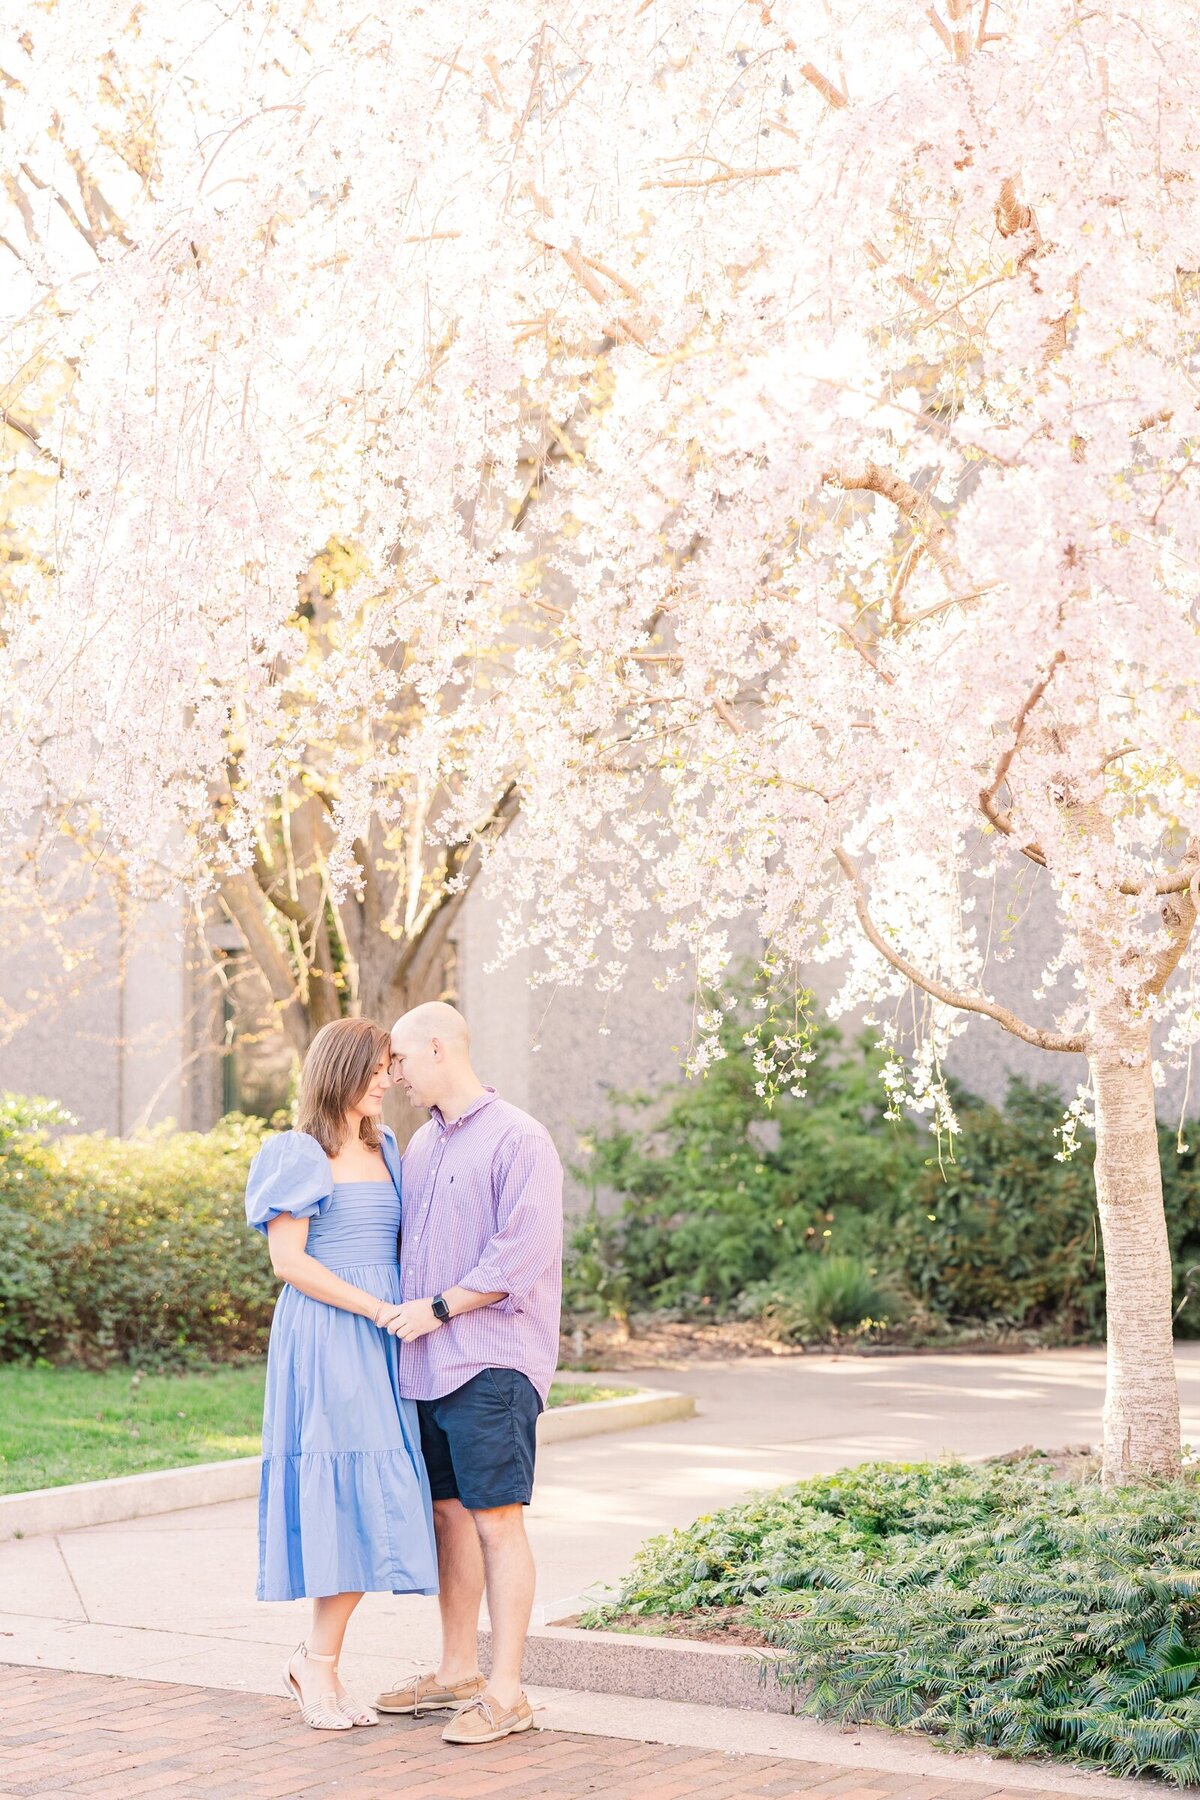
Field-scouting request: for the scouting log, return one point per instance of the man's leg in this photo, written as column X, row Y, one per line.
column 460, row 1585
column 510, row 1575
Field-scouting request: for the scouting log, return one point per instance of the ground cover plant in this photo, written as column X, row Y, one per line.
column 64, row 1425
column 991, row 1607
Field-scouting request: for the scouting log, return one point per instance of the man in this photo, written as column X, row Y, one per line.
column 481, row 1278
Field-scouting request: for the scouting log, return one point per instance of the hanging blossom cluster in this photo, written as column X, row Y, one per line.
column 274, row 277
column 842, row 359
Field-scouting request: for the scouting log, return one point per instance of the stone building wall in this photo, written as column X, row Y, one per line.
column 132, row 1035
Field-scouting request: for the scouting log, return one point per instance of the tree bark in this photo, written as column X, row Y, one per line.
column 1141, row 1405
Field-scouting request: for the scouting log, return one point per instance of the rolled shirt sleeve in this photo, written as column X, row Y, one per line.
column 528, row 1237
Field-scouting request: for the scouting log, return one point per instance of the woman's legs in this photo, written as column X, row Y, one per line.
column 331, row 1615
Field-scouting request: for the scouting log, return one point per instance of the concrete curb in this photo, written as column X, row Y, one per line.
column 649, row 1668
column 648, row 1406
column 84, row 1503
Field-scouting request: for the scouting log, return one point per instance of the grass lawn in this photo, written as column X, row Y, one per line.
column 63, row 1425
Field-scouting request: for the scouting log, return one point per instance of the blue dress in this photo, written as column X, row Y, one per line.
column 343, row 1501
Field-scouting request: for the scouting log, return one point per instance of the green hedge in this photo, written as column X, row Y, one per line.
column 133, row 1248
column 700, row 1210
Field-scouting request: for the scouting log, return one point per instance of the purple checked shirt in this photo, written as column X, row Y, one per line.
column 482, row 1209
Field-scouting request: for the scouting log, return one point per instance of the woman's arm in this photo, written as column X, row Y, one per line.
column 292, row 1263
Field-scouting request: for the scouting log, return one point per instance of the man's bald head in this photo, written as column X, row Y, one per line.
column 435, row 1019
column 431, row 1057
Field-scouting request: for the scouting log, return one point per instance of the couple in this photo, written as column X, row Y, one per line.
column 411, row 1352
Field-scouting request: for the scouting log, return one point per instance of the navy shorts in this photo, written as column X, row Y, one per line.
column 479, row 1442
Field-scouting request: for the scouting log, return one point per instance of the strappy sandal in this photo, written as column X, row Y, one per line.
column 324, row 1714
column 359, row 1712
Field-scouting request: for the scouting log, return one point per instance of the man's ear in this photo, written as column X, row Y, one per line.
column 438, row 1052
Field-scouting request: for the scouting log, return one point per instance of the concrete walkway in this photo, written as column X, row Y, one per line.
column 171, row 1598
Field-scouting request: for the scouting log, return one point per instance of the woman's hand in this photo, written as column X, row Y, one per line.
column 385, row 1312
column 413, row 1320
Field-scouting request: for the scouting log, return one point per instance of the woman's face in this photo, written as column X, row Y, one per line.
column 371, row 1104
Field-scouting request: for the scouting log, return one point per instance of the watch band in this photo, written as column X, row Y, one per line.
column 440, row 1310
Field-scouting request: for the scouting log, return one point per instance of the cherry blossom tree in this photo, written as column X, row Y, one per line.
column 216, row 697
column 919, row 305
column 863, row 338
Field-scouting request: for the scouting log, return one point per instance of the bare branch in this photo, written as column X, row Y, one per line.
column 703, row 181
column 623, row 329
column 461, row 863
column 959, row 12
column 1029, row 1034
column 987, row 795
column 867, row 657
column 272, row 885
column 824, row 86
column 907, row 499
column 244, row 904
column 61, row 201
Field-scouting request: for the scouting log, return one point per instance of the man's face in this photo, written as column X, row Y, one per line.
column 418, row 1068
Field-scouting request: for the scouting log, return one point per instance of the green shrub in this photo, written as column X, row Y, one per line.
column 720, row 1206
column 716, row 1196
column 1008, row 1234
column 595, row 1279
column 133, row 1247
column 990, row 1607
column 828, row 1297
column 1005, row 1232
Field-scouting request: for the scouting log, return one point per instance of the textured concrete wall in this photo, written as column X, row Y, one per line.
column 562, row 1053
column 97, row 1012
column 119, row 1051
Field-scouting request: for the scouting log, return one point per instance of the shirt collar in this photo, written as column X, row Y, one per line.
column 445, row 1126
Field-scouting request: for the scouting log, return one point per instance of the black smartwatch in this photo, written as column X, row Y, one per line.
column 441, row 1311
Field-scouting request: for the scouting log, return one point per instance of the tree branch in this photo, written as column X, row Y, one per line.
column 243, row 904
column 870, row 661
column 1179, row 916
column 917, row 508
column 824, row 86
column 722, row 175
column 444, row 903
column 1029, row 1034
column 987, row 795
column 271, row 884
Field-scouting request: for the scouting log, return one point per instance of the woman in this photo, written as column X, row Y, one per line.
column 344, row 1502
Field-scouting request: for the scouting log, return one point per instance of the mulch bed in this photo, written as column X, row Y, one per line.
column 653, row 1343
column 731, row 1626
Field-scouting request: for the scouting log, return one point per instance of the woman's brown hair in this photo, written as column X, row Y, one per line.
column 341, row 1061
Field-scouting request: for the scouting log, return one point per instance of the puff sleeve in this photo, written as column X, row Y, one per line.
column 290, row 1174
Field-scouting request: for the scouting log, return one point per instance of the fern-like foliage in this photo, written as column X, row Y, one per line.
column 992, row 1607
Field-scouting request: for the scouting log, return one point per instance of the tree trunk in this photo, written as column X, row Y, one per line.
column 1141, row 1406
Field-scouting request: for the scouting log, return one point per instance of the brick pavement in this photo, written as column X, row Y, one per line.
column 86, row 1737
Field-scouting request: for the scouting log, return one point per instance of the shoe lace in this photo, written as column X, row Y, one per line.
column 479, row 1703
